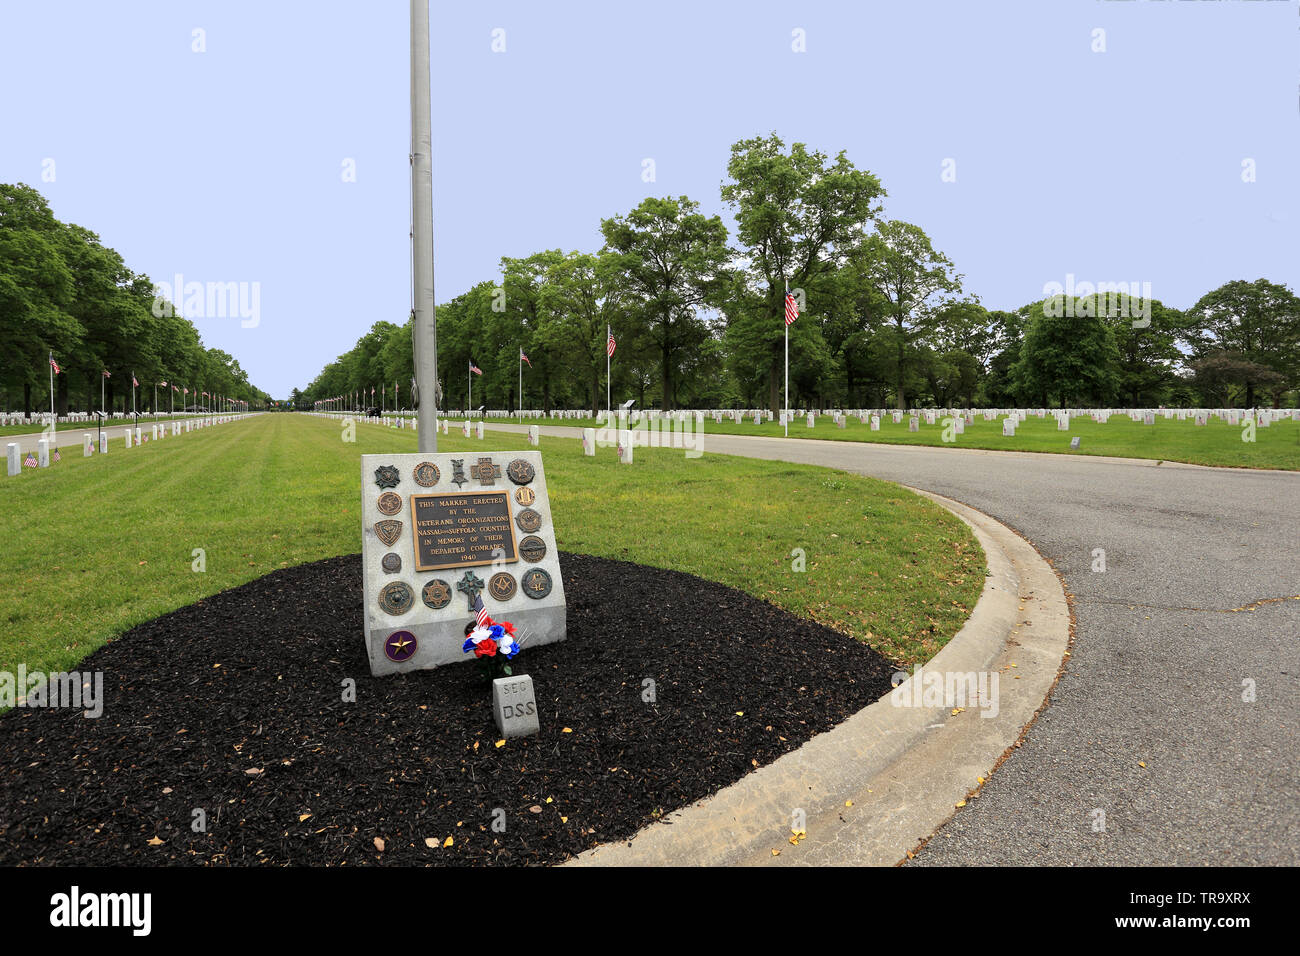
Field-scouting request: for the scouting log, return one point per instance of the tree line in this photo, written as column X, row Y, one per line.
column 63, row 292
column 696, row 310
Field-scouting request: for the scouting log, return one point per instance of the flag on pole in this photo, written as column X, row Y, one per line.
column 133, row 381
column 29, row 461
column 525, row 358
column 610, row 345
column 55, row 365
column 791, row 309
column 474, row 368
column 480, row 612
column 163, row 384
column 107, row 374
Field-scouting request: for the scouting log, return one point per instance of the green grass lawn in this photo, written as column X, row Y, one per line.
column 97, row 545
column 1217, row 443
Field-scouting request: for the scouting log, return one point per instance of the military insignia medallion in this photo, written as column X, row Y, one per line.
column 426, row 474
column 400, row 646
column 436, row 594
column 386, row 476
column 458, row 472
column 389, row 503
column 536, row 583
column 396, row 598
column 388, row 531
column 525, row 496
column 532, row 549
column 502, row 586
column 485, row 472
column 521, row 471
column 528, row 520
column 391, row 563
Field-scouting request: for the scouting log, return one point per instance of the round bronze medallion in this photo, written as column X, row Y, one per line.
column 389, row 503
column 502, row 586
column 396, row 598
column 426, row 474
column 521, row 471
column 536, row 583
column 532, row 549
column 525, row 496
column 391, row 563
column 528, row 520
column 436, row 594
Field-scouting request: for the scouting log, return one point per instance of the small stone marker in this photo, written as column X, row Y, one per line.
column 875, row 423
column 589, row 442
column 624, row 447
column 87, row 446
column 43, row 453
column 534, row 435
column 1009, row 427
column 812, row 420
column 514, row 707
column 459, row 527
column 103, row 443
column 1063, row 422
column 128, row 438
column 1149, row 418
column 15, row 463
column 465, row 427
column 479, row 426
column 1074, row 443
column 913, row 424
column 898, row 418
column 842, row 422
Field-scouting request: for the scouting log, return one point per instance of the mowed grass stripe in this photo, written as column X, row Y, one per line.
column 99, row 545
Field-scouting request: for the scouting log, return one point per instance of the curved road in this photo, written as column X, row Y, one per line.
column 1198, row 607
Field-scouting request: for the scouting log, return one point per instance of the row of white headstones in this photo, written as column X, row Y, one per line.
column 132, row 437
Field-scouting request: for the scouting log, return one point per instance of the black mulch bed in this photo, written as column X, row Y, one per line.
column 234, row 706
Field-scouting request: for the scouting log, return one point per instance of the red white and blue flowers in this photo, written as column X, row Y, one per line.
column 494, row 645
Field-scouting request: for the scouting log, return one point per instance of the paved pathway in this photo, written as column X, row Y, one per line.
column 1200, row 593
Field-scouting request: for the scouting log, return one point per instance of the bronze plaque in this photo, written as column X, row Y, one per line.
column 532, row 549
column 462, row 529
column 388, row 531
column 525, row 496
column 389, row 503
column 426, row 474
column 528, row 520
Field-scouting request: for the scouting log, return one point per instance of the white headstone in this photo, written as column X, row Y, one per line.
column 87, row 446
column 1008, row 427
column 420, row 573
column 913, row 424
column 128, row 438
column 589, row 442
column 479, row 427
column 43, row 453
column 875, row 423
column 812, row 420
column 624, row 447
column 15, row 463
column 534, row 435
column 465, row 427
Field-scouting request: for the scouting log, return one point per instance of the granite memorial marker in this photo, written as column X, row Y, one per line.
column 428, row 522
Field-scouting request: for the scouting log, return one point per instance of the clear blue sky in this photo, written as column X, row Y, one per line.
column 226, row 165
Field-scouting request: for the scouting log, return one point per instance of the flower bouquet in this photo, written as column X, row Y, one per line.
column 493, row 644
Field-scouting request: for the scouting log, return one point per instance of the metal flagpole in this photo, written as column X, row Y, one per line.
column 54, row 422
column 469, row 389
column 787, row 363
column 424, row 325
column 609, row 409
column 521, row 385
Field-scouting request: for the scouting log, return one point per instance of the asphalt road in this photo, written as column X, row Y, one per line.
column 1198, row 603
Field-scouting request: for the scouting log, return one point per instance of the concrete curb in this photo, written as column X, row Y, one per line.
column 877, row 786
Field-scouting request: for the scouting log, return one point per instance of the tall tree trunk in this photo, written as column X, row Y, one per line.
column 27, row 399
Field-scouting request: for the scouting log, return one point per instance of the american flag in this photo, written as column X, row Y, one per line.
column 57, row 456
column 610, row 345
column 525, row 358
column 163, row 384
column 106, row 374
column 791, row 309
column 474, row 368
column 29, row 461
column 133, row 381
column 54, row 365
column 480, row 612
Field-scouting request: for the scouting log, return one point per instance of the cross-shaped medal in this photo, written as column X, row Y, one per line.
column 485, row 471
column 470, row 585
